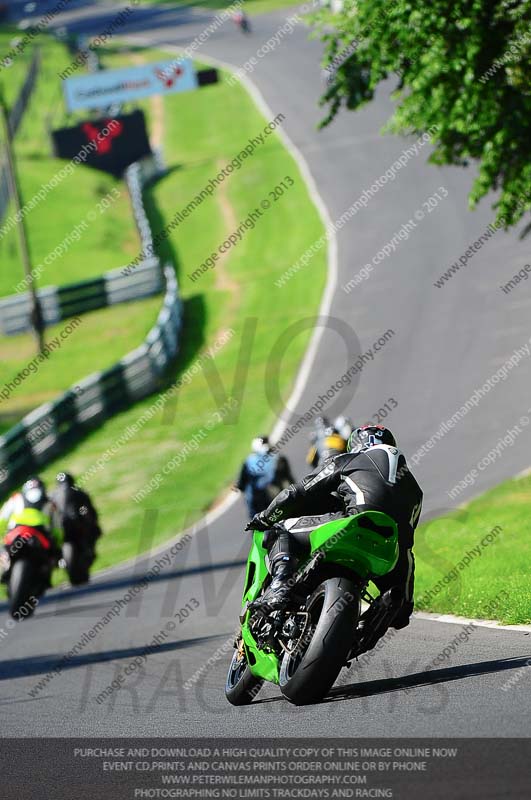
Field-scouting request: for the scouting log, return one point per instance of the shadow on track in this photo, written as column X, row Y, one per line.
column 80, row 610
column 140, row 19
column 124, row 583
column 16, row 10
column 352, row 691
column 37, row 665
column 427, row 678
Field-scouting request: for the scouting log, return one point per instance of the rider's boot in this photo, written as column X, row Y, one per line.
column 277, row 594
column 383, row 613
column 402, row 618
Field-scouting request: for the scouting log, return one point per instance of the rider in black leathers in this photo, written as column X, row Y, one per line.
column 372, row 476
column 78, row 516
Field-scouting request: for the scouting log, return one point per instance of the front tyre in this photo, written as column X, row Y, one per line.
column 241, row 687
column 309, row 672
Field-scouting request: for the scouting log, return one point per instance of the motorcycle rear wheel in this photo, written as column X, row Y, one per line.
column 22, row 586
column 308, row 673
column 78, row 571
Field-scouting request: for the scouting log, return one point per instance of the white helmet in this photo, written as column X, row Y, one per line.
column 343, row 426
column 260, row 445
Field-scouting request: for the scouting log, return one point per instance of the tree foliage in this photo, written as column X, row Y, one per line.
column 460, row 65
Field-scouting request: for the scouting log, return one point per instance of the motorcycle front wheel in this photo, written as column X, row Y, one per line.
column 241, row 686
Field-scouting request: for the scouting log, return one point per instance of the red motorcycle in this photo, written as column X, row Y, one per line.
column 28, row 561
column 242, row 21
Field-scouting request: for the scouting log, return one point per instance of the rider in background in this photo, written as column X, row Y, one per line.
column 263, row 475
column 79, row 518
column 344, row 427
column 31, row 507
column 327, row 442
column 242, row 21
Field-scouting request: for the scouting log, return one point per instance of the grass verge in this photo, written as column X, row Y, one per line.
column 475, row 562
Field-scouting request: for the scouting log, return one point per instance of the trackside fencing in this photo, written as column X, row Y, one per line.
column 137, row 176
column 54, row 427
column 60, row 302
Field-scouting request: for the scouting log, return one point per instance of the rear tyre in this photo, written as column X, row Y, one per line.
column 22, row 583
column 241, row 687
column 308, row 674
column 78, row 571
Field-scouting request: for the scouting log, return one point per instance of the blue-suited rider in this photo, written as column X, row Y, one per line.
column 263, row 475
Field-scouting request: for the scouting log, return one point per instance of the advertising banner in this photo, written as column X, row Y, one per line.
column 112, row 86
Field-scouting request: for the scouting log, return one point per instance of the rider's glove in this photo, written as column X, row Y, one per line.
column 257, row 524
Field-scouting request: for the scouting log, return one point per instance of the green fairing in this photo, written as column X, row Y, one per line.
column 351, row 542
column 263, row 665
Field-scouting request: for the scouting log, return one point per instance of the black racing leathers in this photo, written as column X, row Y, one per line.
column 377, row 479
column 77, row 514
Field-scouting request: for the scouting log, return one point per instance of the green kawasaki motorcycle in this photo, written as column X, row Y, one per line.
column 304, row 646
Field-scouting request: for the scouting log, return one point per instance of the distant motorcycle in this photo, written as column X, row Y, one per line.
column 242, row 21
column 326, row 442
column 28, row 562
column 78, row 546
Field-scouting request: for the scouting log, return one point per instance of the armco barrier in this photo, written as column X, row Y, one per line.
column 136, row 176
column 50, row 429
column 60, row 302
